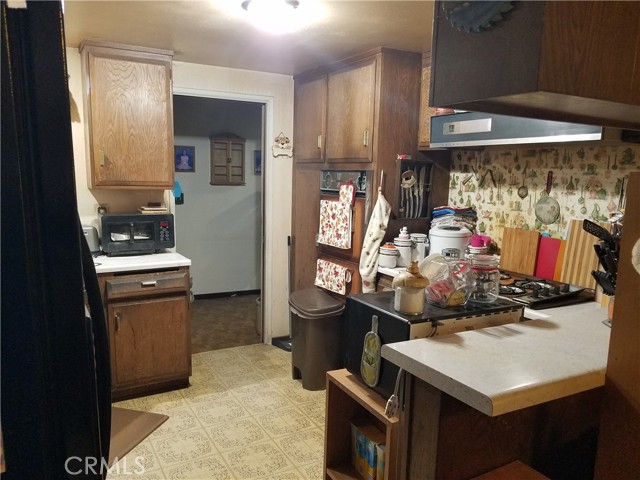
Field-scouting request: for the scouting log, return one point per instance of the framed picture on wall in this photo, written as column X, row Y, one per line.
column 185, row 158
column 257, row 162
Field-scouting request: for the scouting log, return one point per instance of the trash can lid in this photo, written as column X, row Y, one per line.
column 313, row 302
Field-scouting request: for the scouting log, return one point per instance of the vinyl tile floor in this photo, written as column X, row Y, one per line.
column 243, row 417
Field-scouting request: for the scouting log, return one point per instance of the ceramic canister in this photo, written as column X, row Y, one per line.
column 404, row 251
column 388, row 256
column 420, row 246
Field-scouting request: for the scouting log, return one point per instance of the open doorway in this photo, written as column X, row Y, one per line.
column 220, row 226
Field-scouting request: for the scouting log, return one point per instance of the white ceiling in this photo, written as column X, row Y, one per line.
column 215, row 32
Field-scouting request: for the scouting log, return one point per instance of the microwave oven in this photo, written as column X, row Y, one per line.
column 136, row 234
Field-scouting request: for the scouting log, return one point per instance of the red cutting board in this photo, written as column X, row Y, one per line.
column 548, row 249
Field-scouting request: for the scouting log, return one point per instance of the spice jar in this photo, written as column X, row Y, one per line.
column 409, row 290
column 486, row 277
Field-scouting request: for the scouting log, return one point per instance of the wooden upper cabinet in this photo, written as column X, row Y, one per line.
column 129, row 115
column 310, row 109
column 350, row 111
column 426, row 112
column 566, row 61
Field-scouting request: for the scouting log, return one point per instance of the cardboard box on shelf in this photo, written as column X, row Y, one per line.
column 365, row 442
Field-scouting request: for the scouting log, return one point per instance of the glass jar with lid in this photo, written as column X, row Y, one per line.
column 486, row 278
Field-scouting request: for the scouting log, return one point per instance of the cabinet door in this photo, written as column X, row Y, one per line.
column 310, row 109
column 130, row 121
column 350, row 111
column 227, row 162
column 150, row 341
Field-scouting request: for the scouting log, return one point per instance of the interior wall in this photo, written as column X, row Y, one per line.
column 219, row 225
column 587, row 182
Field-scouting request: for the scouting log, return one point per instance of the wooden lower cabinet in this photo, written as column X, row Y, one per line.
column 149, row 332
column 349, row 400
column 447, row 439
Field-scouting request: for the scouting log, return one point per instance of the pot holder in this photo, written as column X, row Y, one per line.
column 370, row 364
column 348, row 193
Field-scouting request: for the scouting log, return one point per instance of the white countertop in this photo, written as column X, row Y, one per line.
column 151, row 261
column 497, row 370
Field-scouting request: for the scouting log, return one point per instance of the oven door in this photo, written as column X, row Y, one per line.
column 126, row 237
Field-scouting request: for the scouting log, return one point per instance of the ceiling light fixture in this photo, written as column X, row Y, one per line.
column 274, row 16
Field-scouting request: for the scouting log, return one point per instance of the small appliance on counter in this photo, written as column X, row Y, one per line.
column 396, row 327
column 449, row 241
column 136, row 234
column 91, row 234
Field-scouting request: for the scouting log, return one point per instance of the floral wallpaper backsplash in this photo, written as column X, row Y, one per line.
column 586, row 182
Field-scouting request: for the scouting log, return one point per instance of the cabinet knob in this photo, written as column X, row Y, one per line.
column 101, row 158
column 319, row 141
column 116, row 316
column 149, row 283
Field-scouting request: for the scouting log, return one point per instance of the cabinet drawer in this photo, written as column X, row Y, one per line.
column 147, row 285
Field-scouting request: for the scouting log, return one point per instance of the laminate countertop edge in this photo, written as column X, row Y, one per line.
column 501, row 369
column 133, row 263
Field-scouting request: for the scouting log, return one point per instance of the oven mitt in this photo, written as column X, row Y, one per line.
column 370, row 364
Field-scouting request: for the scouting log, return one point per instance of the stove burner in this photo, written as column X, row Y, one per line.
column 510, row 290
column 537, row 292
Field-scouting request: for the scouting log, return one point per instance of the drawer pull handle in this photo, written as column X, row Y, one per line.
column 149, row 283
column 117, row 318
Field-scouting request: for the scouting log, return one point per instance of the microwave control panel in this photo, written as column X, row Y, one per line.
column 165, row 232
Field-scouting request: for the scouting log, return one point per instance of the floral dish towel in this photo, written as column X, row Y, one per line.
column 332, row 276
column 335, row 224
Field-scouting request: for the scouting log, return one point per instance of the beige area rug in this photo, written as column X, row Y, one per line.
column 129, row 428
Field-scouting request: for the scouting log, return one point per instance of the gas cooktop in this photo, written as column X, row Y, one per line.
column 538, row 293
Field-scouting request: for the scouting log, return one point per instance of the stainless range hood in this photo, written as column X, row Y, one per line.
column 475, row 129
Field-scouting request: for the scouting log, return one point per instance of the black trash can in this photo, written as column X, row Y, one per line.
column 316, row 323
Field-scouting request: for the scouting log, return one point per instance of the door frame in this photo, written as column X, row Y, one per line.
column 267, row 132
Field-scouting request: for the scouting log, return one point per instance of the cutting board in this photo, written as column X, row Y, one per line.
column 519, row 250
column 580, row 258
column 548, row 250
column 557, row 273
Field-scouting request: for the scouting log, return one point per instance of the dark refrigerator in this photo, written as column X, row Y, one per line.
column 56, row 405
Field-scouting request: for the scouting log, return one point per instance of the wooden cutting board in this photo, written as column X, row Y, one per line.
column 557, row 273
column 580, row 258
column 519, row 250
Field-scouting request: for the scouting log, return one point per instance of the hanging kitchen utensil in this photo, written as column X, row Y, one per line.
column 606, row 281
column 523, row 191
column 421, row 191
column 391, row 409
column 370, row 363
column 547, row 208
column 599, row 232
column 408, row 179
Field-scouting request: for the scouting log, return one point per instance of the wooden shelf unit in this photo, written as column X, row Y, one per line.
column 348, row 400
